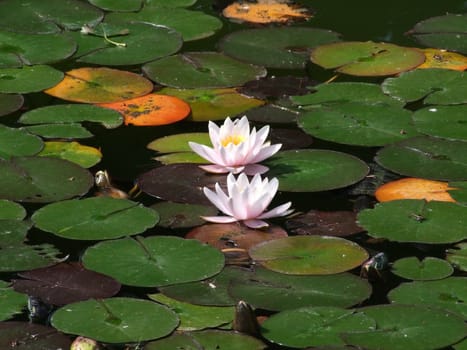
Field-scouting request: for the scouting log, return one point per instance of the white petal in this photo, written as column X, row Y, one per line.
column 253, row 169
column 262, row 134
column 206, row 152
column 266, row 152
column 216, row 169
column 219, row 199
column 281, row 210
column 219, row 219
column 213, row 133
column 254, row 223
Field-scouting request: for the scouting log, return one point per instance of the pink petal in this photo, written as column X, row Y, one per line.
column 218, row 199
column 253, row 169
column 281, row 210
column 214, row 168
column 254, row 223
column 266, row 152
column 205, row 152
column 219, row 219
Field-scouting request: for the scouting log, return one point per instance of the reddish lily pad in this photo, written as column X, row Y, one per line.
column 367, row 58
column 178, row 215
column 31, row 336
column 269, row 12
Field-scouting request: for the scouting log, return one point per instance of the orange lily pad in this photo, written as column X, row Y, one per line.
column 265, row 11
column 100, row 85
column 437, row 58
column 414, row 188
column 151, row 110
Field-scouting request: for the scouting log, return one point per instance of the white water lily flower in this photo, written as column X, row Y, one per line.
column 246, row 201
column 235, row 148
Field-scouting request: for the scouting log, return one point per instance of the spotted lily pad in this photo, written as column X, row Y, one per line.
column 94, row 218
column 116, row 320
column 309, row 255
column 449, row 122
column 11, row 302
column 18, row 142
column 429, row 268
column 154, row 261
column 28, row 79
column 367, row 58
column 16, row 256
column 85, row 156
column 413, row 220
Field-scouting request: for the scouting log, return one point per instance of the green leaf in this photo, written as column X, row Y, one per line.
column 118, row 5
column 178, row 142
column 13, row 231
column 21, row 257
column 429, row 268
column 59, row 131
column 28, row 79
column 457, row 256
column 11, row 211
column 18, row 142
column 10, row 103
column 82, row 155
column 179, row 215
column 449, row 122
column 11, row 302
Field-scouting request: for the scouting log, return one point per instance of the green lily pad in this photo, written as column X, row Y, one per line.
column 154, row 261
column 10, row 103
column 214, row 104
column 36, row 16
column 19, row 49
column 434, row 86
column 180, row 157
column 42, row 179
column 13, row 231
column 270, row 290
column 359, row 124
column 118, row 5
column 426, row 157
column 21, row 257
column 207, row 339
column 457, row 256
column 315, row 170
column 59, row 131
column 11, row 211
column 179, row 215
column 367, row 58
column 459, row 191
column 73, row 113
column 142, row 43
column 449, row 122
column 85, row 156
column 94, row 218
column 18, row 142
column 429, row 268
column 196, row 317
column 401, row 327
column 116, row 320
column 193, row 25
column 447, row 32
column 413, row 220
column 28, row 79
column 172, row 3
column 201, row 70
column 309, row 255
column 284, row 47
column 314, row 326
column 11, row 302
column 448, row 294
column 178, row 142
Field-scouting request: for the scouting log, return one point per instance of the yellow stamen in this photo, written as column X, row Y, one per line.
column 235, row 139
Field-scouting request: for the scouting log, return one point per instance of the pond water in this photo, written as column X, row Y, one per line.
column 414, row 318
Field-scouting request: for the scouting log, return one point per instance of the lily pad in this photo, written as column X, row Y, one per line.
column 19, row 49
column 426, row 157
column 434, row 86
column 315, row 170
column 36, row 16
column 276, row 87
column 201, row 70
column 401, row 327
column 42, row 179
column 100, row 85
column 18, row 142
column 59, row 131
column 28, row 79
column 413, row 220
column 21, row 257
column 448, row 294
column 179, row 215
column 178, row 142
column 10, row 103
column 154, row 261
column 13, row 231
column 314, row 326
column 367, row 58
column 11, row 211
column 179, row 158
column 94, row 218
column 429, row 268
column 445, row 32
column 116, row 320
column 309, row 255
column 72, row 113
column 118, row 5
column 33, row 336
column 449, row 122
column 457, row 256
column 284, row 47
column 11, row 302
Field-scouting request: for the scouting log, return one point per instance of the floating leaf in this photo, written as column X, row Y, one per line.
column 269, row 12
column 459, row 191
column 309, row 255
column 33, row 336
column 100, row 85
column 367, row 58
column 116, row 320
column 213, row 104
column 72, row 113
column 457, row 256
column 11, row 302
column 315, row 170
column 201, row 70
column 13, row 231
column 179, row 215
column 85, row 156
column 436, row 58
column 28, row 79
column 42, row 179
column 412, row 188
column 21, row 257
column 59, row 131
column 449, row 122
column 414, row 220
column 284, row 47
column 64, row 283
column 429, row 268
column 18, row 142
column 401, row 327
column 151, row 110
column 426, row 157
column 94, row 218
column 10, row 103
column 276, row 87
column 178, row 142
column 36, row 16
column 118, row 5
column 180, row 157
column 11, row 211
column 154, row 261
column 314, row 326
column 272, row 113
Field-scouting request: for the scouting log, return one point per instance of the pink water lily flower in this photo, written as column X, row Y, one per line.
column 246, row 201
column 235, row 148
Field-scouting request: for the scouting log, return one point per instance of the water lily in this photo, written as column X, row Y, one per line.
column 246, row 201
column 236, row 148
